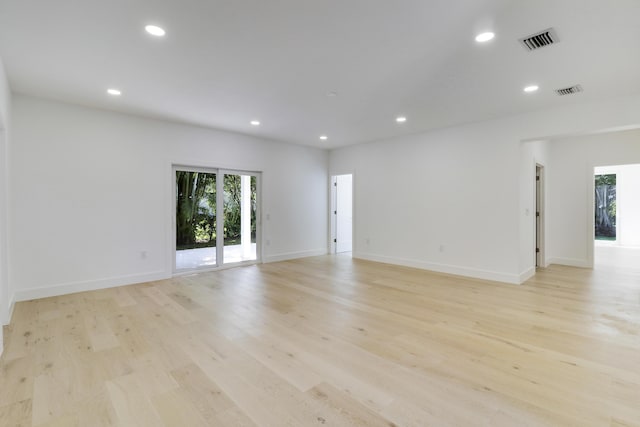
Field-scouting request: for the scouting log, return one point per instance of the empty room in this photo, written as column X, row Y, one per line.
column 307, row 213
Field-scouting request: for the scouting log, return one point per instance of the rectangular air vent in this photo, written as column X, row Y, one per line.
column 569, row 90
column 539, row 40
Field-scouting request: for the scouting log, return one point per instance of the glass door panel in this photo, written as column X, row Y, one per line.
column 196, row 225
column 240, row 217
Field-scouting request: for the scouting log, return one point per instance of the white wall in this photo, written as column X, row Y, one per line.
column 456, row 200
column 573, row 161
column 438, row 201
column 5, row 121
column 90, row 189
column 629, row 205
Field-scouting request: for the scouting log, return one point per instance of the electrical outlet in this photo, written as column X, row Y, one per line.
column 143, row 254
column 441, row 248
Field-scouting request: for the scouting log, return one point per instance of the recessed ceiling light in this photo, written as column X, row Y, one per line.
column 154, row 30
column 401, row 119
column 485, row 37
column 255, row 123
column 531, row 88
column 324, row 137
column 114, row 92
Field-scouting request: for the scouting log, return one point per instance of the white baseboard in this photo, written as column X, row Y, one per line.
column 444, row 268
column 294, row 255
column 571, row 262
column 91, row 285
column 9, row 314
column 527, row 274
column 5, row 321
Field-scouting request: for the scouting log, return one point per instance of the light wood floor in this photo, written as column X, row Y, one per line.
column 330, row 341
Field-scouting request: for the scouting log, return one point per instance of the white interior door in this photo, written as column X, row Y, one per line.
column 344, row 213
column 538, row 217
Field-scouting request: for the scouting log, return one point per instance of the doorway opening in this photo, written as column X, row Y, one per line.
column 342, row 214
column 616, row 225
column 540, row 217
column 216, row 218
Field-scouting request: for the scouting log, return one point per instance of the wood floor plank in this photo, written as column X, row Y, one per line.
column 209, row 399
column 100, row 334
column 53, row 395
column 16, row 378
column 176, row 409
column 284, row 363
column 330, row 341
column 131, row 404
column 16, row 414
column 123, row 298
column 97, row 410
column 353, row 412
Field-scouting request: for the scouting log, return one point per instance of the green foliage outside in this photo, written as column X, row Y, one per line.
column 605, row 208
column 196, row 224
column 606, row 179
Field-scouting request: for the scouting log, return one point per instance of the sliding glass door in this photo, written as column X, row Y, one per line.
column 216, row 218
column 240, row 208
column 195, row 219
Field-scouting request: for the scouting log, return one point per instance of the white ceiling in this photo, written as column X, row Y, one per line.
column 224, row 63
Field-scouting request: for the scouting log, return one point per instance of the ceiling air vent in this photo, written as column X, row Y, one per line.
column 569, row 90
column 541, row 39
